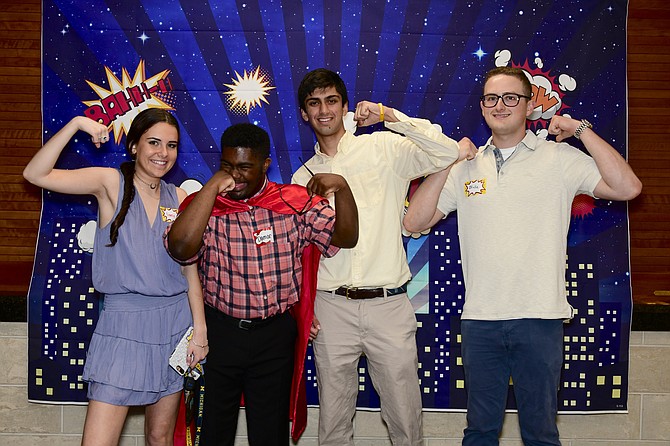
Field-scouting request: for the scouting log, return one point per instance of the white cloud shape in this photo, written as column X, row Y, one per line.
column 190, row 185
column 502, row 58
column 550, row 96
column 349, row 123
column 86, row 236
column 566, row 82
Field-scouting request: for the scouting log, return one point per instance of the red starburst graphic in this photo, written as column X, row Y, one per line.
column 582, row 206
column 547, row 94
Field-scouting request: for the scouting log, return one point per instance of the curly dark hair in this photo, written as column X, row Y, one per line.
column 249, row 136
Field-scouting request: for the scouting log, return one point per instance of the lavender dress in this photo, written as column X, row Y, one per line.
column 145, row 309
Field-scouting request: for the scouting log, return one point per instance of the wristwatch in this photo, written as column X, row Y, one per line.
column 583, row 126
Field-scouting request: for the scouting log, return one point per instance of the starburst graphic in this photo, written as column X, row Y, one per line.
column 137, row 91
column 248, row 91
column 582, row 206
column 547, row 94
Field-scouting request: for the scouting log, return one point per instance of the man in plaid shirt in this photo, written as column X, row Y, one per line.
column 249, row 236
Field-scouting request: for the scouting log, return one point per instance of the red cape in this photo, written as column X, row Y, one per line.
column 280, row 198
column 283, row 199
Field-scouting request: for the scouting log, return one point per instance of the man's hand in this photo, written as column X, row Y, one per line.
column 99, row 133
column 325, row 184
column 369, row 113
column 223, row 182
column 314, row 329
column 466, row 149
column 563, row 127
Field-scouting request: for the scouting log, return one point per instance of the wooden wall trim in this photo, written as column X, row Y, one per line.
column 20, row 137
column 649, row 148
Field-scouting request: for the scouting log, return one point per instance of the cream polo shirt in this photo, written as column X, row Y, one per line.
column 513, row 227
column 379, row 168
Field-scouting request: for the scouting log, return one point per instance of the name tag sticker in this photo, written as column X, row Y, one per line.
column 264, row 236
column 475, row 187
column 168, row 214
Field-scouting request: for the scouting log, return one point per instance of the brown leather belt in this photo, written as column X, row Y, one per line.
column 369, row 293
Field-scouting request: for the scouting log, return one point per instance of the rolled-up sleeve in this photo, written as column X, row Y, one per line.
column 319, row 224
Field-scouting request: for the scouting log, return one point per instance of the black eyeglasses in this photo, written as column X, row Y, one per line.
column 303, row 163
column 306, row 206
column 509, row 99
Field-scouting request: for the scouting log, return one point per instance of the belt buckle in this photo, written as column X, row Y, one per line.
column 354, row 289
column 245, row 324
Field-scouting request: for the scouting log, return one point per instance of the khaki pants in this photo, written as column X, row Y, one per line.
column 384, row 329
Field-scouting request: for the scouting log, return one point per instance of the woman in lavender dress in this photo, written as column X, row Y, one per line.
column 146, row 294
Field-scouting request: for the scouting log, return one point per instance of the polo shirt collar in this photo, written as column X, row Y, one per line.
column 529, row 141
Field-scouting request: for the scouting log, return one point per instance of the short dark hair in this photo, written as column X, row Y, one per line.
column 249, row 136
column 144, row 121
column 318, row 79
column 514, row 72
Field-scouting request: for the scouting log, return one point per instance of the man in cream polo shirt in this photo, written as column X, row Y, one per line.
column 513, row 201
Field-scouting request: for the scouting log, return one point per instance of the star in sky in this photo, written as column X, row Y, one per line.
column 480, row 53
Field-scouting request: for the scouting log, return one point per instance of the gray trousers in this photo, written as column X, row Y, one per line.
column 384, row 329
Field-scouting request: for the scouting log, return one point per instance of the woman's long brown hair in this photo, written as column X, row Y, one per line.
column 142, row 122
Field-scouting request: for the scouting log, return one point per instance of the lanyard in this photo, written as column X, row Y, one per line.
column 192, row 387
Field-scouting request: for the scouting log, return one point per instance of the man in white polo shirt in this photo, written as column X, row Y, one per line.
column 513, row 201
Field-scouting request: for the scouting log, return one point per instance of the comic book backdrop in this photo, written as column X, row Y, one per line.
column 221, row 62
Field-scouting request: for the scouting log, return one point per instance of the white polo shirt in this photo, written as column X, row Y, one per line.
column 513, row 227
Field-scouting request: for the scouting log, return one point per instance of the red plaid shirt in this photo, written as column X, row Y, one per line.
column 246, row 275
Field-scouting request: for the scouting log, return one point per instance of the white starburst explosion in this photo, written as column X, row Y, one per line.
column 248, row 91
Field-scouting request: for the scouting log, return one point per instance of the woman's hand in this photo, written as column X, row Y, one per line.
column 197, row 350
column 99, row 133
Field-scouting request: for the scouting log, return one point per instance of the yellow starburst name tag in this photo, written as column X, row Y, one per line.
column 475, row 187
column 168, row 214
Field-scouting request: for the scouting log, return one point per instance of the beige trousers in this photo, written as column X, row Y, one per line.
column 384, row 329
